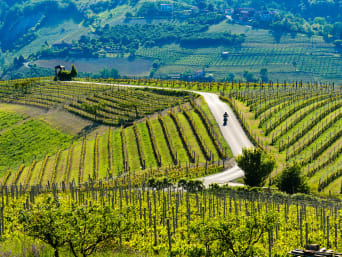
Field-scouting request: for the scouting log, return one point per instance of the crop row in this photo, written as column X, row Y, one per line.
column 29, row 173
column 66, row 175
column 210, row 130
column 154, row 142
column 168, row 139
column 42, row 169
column 82, row 159
column 124, row 149
column 197, row 133
column 110, row 152
column 312, row 136
column 96, row 158
column 139, row 145
column 327, row 110
column 182, row 136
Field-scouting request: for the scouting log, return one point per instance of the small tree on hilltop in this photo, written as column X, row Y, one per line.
column 256, row 165
column 291, row 181
column 73, row 72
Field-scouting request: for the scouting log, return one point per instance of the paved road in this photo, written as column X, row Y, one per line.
column 233, row 133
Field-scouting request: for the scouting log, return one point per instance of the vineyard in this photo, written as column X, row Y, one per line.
column 178, row 140
column 315, row 59
column 296, row 122
column 293, row 121
column 105, row 104
column 175, row 222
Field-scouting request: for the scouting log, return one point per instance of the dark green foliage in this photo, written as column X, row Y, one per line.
column 73, row 72
column 150, row 35
column 248, row 76
column 106, row 73
column 159, row 183
column 64, row 75
column 256, row 165
column 264, row 75
column 191, row 186
column 291, row 181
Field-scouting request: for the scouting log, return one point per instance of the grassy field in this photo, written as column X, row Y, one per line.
column 28, row 140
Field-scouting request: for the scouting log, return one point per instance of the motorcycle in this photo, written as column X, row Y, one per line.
column 225, row 119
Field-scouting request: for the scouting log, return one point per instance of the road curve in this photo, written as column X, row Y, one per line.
column 233, row 133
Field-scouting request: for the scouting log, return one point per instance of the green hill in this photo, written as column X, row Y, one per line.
column 173, row 39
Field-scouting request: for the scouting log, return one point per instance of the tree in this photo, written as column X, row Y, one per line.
column 46, row 223
column 256, row 165
column 291, row 181
column 160, row 183
column 83, row 229
column 249, row 76
column 233, row 237
column 93, row 228
column 264, row 74
column 73, row 72
column 191, row 186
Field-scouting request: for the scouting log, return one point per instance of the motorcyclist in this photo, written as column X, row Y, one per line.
column 225, row 118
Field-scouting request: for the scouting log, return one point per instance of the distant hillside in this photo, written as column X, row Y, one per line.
column 173, row 39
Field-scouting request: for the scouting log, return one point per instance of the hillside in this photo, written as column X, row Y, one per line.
column 155, row 135
column 296, row 122
column 138, row 174
column 192, row 40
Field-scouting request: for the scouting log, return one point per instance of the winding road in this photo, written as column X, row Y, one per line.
column 233, row 133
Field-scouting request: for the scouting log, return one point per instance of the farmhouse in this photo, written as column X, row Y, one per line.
column 166, row 8
column 244, row 14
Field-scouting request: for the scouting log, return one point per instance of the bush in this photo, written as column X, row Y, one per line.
column 256, row 165
column 291, row 181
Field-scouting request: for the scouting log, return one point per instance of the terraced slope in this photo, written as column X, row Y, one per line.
column 297, row 123
column 150, row 144
column 184, row 136
column 103, row 103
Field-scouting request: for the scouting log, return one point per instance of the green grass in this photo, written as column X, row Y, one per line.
column 161, row 142
column 8, row 119
column 191, row 138
column 117, row 152
column 204, row 134
column 176, row 140
column 103, row 155
column 75, row 162
column 29, row 140
column 134, row 162
column 147, row 145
